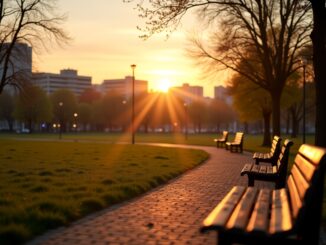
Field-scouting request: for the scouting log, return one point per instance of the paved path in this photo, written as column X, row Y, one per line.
column 170, row 214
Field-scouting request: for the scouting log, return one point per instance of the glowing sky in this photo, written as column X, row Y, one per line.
column 105, row 43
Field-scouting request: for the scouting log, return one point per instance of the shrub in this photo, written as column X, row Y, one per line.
column 90, row 205
column 13, row 234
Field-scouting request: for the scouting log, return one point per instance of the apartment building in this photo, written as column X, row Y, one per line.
column 188, row 93
column 66, row 79
column 124, row 86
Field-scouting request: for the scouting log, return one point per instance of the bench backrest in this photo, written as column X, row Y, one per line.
column 276, row 147
column 305, row 187
column 238, row 138
column 225, row 135
column 282, row 162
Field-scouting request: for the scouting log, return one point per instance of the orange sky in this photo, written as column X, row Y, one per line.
column 105, row 43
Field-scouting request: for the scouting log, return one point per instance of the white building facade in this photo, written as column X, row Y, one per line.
column 188, row 93
column 67, row 79
column 124, row 86
column 19, row 68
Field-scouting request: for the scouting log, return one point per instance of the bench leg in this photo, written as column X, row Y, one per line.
column 251, row 181
column 279, row 184
column 223, row 239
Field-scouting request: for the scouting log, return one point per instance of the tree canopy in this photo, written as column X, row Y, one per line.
column 275, row 31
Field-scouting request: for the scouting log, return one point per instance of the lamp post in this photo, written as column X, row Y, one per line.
column 133, row 67
column 186, row 120
column 75, row 121
column 304, row 63
column 60, row 119
column 123, row 121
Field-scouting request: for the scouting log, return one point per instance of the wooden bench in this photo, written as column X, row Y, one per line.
column 276, row 174
column 237, row 143
column 272, row 156
column 285, row 216
column 221, row 141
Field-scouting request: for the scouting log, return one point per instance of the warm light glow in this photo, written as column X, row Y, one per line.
column 164, row 85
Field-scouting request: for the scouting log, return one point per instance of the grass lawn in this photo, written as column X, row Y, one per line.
column 48, row 184
column 252, row 143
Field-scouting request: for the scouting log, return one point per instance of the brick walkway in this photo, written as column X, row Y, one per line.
column 170, row 214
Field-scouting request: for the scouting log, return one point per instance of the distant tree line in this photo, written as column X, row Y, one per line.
column 155, row 112
column 111, row 112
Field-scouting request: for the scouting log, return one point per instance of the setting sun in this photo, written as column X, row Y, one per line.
column 164, row 85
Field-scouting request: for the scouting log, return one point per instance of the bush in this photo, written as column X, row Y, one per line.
column 90, row 205
column 14, row 234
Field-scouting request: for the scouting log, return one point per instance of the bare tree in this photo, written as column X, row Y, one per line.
column 32, row 22
column 275, row 30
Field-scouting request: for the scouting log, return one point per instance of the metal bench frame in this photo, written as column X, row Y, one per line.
column 276, row 174
column 289, row 215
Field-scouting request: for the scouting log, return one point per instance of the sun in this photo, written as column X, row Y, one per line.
column 163, row 85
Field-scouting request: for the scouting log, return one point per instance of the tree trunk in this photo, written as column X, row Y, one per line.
column 295, row 125
column 10, row 125
column 245, row 125
column 319, row 58
column 218, row 127
column 30, row 126
column 288, row 122
column 276, row 110
column 146, row 128
column 267, row 126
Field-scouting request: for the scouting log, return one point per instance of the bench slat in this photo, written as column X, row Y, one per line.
column 271, row 169
column 305, row 166
column 274, row 170
column 263, row 169
column 313, row 154
column 259, row 220
column 255, row 169
column 296, row 202
column 221, row 213
column 280, row 214
column 241, row 214
column 279, row 161
column 247, row 167
column 300, row 181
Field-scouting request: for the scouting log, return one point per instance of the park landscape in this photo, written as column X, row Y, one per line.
column 65, row 157
column 47, row 182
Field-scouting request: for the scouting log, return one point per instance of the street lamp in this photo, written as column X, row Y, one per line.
column 304, row 63
column 124, row 120
column 75, row 121
column 186, row 120
column 133, row 67
column 60, row 119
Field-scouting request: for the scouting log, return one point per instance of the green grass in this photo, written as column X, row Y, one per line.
column 252, row 143
column 49, row 184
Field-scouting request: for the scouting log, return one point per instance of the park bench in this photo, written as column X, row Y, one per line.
column 289, row 215
column 221, row 141
column 272, row 156
column 237, row 143
column 276, row 174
